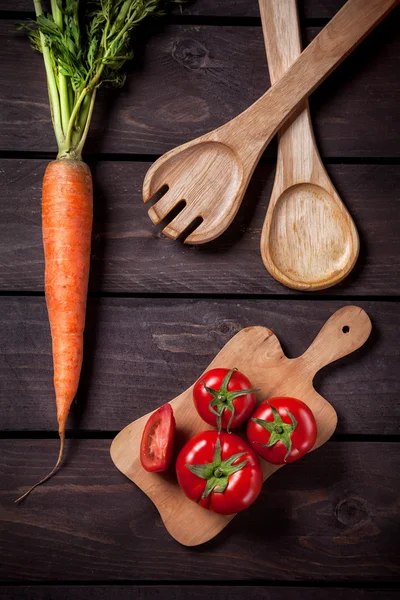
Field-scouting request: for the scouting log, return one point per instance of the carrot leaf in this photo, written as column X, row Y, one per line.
column 84, row 44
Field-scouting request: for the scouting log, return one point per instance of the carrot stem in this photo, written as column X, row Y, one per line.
column 62, row 79
column 51, row 82
column 68, row 138
column 79, row 147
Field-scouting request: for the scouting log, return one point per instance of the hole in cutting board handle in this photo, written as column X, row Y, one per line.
column 346, row 329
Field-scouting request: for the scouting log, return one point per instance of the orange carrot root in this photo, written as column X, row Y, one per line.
column 67, row 213
column 54, row 469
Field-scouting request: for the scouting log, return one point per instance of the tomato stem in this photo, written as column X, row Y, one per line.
column 279, row 431
column 217, row 472
column 223, row 399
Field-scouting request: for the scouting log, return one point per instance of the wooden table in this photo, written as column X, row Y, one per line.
column 158, row 312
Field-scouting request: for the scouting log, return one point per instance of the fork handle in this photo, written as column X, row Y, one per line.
column 259, row 123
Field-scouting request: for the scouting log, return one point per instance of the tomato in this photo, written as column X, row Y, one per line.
column 157, row 441
column 220, row 472
column 282, row 430
column 224, row 398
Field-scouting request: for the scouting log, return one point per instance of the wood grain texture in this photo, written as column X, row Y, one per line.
column 187, row 80
column 309, row 240
column 182, row 592
column 335, row 516
column 315, row 9
column 211, row 173
column 190, row 79
column 130, row 254
column 257, row 352
column 141, row 353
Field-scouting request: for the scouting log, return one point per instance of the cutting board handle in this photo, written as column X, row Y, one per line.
column 346, row 331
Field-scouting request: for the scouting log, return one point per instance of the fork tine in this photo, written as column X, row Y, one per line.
column 207, row 231
column 163, row 206
column 180, row 223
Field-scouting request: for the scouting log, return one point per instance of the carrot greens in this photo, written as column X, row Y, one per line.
column 84, row 44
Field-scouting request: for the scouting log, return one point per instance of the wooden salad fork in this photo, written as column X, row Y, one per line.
column 211, row 173
column 309, row 240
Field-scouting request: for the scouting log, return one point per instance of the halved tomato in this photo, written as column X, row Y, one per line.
column 157, row 442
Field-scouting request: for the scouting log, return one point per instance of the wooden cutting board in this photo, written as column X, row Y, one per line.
column 255, row 351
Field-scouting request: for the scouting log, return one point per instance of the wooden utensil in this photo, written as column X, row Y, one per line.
column 309, row 240
column 211, row 174
column 257, row 352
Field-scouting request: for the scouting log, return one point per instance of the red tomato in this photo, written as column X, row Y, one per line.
column 224, row 398
column 157, row 441
column 282, row 430
column 220, row 472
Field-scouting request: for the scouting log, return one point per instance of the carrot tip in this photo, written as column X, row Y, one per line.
column 62, row 440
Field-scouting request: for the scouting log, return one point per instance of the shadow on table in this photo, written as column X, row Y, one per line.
column 98, row 261
column 108, row 96
column 277, row 514
column 350, row 359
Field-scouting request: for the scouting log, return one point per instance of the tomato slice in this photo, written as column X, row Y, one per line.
column 157, row 442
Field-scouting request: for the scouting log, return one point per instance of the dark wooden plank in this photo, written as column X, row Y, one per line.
column 130, row 254
column 190, row 79
column 314, row 9
column 331, row 516
column 221, row 8
column 141, row 353
column 189, row 592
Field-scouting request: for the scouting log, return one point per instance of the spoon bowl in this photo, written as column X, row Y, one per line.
column 309, row 240
column 309, row 243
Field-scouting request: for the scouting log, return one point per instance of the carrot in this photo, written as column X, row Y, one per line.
column 67, row 213
column 76, row 64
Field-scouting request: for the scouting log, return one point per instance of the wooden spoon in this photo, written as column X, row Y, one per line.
column 210, row 174
column 309, row 240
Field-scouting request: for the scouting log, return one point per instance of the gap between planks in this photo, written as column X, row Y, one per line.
column 150, row 158
column 177, row 19
column 320, row 296
column 110, row 435
column 386, row 585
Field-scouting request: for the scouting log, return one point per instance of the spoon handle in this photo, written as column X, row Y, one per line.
column 280, row 24
column 259, row 123
column 298, row 156
column 308, row 240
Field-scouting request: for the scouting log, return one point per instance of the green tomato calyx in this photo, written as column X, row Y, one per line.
column 223, row 399
column 217, row 472
column 279, row 431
